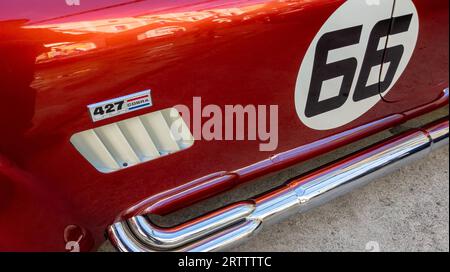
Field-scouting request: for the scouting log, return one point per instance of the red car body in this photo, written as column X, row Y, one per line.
column 227, row 52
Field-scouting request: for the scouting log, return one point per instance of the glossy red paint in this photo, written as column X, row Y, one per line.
column 56, row 59
column 205, row 187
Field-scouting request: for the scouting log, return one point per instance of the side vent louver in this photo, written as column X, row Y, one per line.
column 133, row 141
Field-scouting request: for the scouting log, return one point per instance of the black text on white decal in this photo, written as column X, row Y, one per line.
column 109, row 108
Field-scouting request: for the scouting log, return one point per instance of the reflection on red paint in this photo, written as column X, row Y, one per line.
column 57, row 59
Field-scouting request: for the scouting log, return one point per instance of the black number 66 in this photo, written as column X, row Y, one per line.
column 346, row 68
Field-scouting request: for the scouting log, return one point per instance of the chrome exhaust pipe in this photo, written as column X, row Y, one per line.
column 234, row 223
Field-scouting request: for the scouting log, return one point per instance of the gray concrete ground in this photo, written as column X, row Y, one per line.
column 407, row 210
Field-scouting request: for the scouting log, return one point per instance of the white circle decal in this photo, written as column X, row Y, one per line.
column 355, row 58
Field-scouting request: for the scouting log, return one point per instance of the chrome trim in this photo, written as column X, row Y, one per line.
column 438, row 135
column 169, row 238
column 222, row 228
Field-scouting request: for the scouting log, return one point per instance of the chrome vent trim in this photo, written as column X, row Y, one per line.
column 133, row 141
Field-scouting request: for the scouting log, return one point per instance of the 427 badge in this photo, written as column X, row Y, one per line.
column 120, row 105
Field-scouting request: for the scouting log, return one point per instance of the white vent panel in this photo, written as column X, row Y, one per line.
column 178, row 127
column 140, row 141
column 133, row 141
column 117, row 145
column 160, row 132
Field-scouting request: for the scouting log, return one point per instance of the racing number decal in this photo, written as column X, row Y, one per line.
column 323, row 71
column 374, row 57
column 347, row 68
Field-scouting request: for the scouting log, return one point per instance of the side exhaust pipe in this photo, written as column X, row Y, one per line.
column 234, row 223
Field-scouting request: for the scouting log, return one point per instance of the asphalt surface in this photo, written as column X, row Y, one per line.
column 407, row 210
